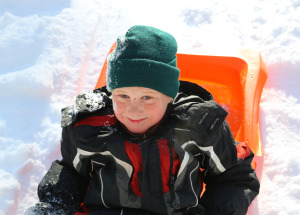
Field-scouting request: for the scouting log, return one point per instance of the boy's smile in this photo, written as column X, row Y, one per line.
column 139, row 108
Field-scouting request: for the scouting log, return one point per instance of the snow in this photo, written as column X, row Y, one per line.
column 52, row 51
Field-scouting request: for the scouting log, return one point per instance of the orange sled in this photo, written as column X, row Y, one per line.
column 236, row 83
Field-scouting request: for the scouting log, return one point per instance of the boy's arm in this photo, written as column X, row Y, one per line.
column 232, row 190
column 231, row 182
column 62, row 189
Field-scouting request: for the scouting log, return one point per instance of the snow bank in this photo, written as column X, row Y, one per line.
column 52, row 51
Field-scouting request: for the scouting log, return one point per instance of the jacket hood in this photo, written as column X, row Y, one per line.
column 190, row 89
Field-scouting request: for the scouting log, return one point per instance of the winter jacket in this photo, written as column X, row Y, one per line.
column 113, row 171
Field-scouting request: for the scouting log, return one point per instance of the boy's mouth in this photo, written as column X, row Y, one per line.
column 136, row 121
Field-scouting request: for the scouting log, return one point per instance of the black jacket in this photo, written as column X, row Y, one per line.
column 113, row 171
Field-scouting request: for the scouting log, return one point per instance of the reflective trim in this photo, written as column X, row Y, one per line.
column 76, row 161
column 102, row 189
column 197, row 167
column 209, row 149
column 184, row 162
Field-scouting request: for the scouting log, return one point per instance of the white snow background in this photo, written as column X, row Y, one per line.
column 52, row 50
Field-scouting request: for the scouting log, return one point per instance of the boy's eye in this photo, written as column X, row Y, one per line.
column 146, row 97
column 124, row 96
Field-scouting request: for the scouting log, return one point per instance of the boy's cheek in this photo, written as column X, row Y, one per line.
column 118, row 114
column 117, row 107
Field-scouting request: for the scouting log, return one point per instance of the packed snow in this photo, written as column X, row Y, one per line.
column 52, row 50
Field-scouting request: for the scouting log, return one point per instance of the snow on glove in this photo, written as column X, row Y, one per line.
column 43, row 208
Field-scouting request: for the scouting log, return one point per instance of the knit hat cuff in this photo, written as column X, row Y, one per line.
column 147, row 73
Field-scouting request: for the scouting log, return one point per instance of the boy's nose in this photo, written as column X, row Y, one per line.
column 134, row 107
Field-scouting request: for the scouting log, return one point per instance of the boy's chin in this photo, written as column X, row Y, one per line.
column 137, row 126
column 137, row 130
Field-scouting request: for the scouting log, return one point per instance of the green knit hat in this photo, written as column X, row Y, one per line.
column 144, row 57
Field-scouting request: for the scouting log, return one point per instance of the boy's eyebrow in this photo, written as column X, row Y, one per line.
column 148, row 93
column 120, row 91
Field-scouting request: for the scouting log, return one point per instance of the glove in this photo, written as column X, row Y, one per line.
column 43, row 208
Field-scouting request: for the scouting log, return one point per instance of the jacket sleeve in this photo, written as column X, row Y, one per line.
column 231, row 182
column 231, row 190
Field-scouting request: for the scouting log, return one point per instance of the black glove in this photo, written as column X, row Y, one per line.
column 43, row 208
column 61, row 191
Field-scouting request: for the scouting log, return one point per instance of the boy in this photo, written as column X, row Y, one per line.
column 143, row 144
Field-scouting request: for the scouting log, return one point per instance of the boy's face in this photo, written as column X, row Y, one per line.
column 139, row 108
